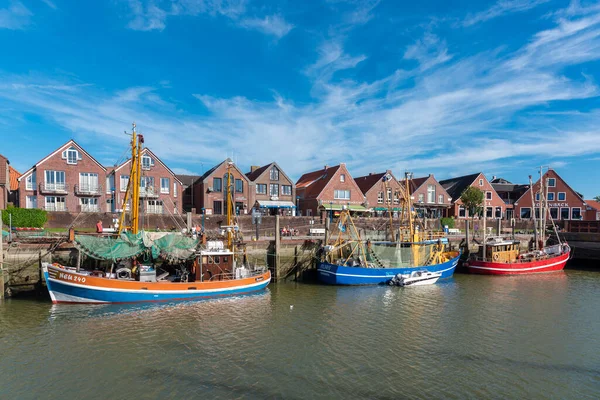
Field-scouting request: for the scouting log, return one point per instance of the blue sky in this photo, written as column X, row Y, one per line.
column 443, row 87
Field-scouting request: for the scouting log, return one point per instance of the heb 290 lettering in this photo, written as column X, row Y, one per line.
column 73, row 278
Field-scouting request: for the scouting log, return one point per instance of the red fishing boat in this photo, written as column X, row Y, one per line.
column 499, row 256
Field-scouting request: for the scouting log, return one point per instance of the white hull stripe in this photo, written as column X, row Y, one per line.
column 517, row 269
column 67, row 298
column 106, row 289
column 376, row 276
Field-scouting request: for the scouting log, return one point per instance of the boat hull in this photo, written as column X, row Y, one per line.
column 70, row 287
column 551, row 264
column 333, row 274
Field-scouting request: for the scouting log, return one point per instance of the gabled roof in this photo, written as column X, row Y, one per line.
column 455, row 186
column 313, row 183
column 257, row 173
column 14, row 176
column 213, row 169
column 557, row 176
column 149, row 152
column 593, row 204
column 365, row 183
column 63, row 147
column 187, row 180
column 416, row 183
column 1, row 156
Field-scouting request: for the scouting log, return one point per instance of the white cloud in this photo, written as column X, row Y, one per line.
column 50, row 4
column 184, row 171
column 429, row 51
column 271, row 25
column 16, row 16
column 502, row 7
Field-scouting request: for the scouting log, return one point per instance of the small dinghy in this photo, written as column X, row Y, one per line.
column 415, row 278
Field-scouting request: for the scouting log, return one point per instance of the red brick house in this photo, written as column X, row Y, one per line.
column 160, row 189
column 592, row 211
column 274, row 191
column 563, row 202
column 69, row 179
column 4, row 181
column 13, row 196
column 381, row 190
column 210, row 190
column 494, row 205
column 327, row 191
column 430, row 199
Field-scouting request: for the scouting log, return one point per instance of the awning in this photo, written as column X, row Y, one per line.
column 386, row 209
column 275, row 204
column 338, row 207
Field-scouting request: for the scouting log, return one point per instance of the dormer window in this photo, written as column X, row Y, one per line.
column 147, row 162
column 71, row 155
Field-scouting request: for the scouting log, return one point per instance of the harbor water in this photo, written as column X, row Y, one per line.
column 467, row 337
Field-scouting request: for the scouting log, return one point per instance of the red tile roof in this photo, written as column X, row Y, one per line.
column 314, row 182
column 594, row 204
column 14, row 175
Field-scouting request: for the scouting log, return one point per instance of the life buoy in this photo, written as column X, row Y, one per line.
column 496, row 257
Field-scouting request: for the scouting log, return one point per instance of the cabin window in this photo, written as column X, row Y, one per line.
column 379, row 197
column 550, row 196
column 552, row 182
column 575, row 213
column 261, row 188
column 342, row 178
column 498, row 214
column 564, row 213
column 562, row 196
column 462, row 212
column 217, row 184
column 488, row 195
column 554, row 212
column 239, row 186
column 525, row 212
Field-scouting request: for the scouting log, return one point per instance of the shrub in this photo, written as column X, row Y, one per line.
column 447, row 221
column 24, row 217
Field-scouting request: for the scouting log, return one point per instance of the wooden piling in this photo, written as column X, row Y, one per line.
column 327, row 230
column 277, row 245
column 1, row 261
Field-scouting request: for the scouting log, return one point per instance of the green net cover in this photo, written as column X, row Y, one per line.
column 172, row 247
column 4, row 233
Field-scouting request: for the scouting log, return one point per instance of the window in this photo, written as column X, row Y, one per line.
column 462, row 212
column 217, row 184
column 274, row 174
column 537, row 213
column 550, row 196
column 88, row 182
column 341, row 194
column 274, row 189
column 562, row 196
column 575, row 213
column 488, row 195
column 239, row 206
column 498, row 214
column 342, row 178
column 155, row 207
column 30, row 182
column 554, row 213
column 389, row 195
column 441, row 199
column 261, row 188
column 380, row 198
column 431, row 193
column 537, row 197
column 552, row 182
column 124, row 182
column 174, row 189
column 110, row 183
column 165, row 184
column 481, row 182
column 89, row 204
column 421, row 197
column 217, row 260
column 147, row 162
column 31, row 202
column 286, row 190
column 110, row 205
column 489, row 212
column 147, row 182
column 525, row 212
column 217, row 207
column 396, row 197
column 239, row 186
column 564, row 213
column 54, row 203
column 55, row 180
column 71, row 155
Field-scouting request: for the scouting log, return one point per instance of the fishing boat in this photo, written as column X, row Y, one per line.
column 415, row 278
column 502, row 256
column 145, row 266
column 351, row 260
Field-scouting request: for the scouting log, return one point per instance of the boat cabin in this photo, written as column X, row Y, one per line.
column 215, row 262
column 500, row 250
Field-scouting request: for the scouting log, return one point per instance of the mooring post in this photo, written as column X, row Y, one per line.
column 40, row 279
column 1, row 260
column 296, row 262
column 467, row 235
column 277, row 244
column 326, row 230
column 79, row 260
column 498, row 227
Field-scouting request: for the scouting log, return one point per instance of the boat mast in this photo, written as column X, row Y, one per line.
column 386, row 190
column 133, row 186
column 409, row 207
column 230, row 224
column 535, row 224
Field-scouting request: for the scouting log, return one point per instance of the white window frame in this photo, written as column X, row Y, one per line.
column 56, row 200
column 164, row 189
column 379, row 197
column 560, row 210
column 86, row 183
column 462, row 210
column 30, row 181
column 274, row 173
column 557, row 213
column 174, row 188
column 440, row 199
column 259, row 185
column 55, row 185
column 286, row 190
column 123, row 178
column 421, row 198
column 488, row 195
column 155, row 207
column 274, row 193
column 558, row 196
column 572, row 212
column 553, row 196
column 481, row 182
column 30, row 201
column 89, row 204
column 342, row 178
column 148, row 164
column 537, row 197
column 552, row 179
column 429, row 192
column 521, row 212
column 489, row 212
column 496, row 212
column 342, row 194
column 75, row 154
column 389, row 195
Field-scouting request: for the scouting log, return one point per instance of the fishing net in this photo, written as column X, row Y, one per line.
column 169, row 246
column 393, row 256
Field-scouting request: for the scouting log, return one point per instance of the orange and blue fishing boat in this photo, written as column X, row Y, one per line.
column 144, row 266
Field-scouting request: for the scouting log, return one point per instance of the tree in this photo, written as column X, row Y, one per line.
column 597, row 198
column 472, row 199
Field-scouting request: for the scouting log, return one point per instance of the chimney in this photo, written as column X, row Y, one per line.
column 494, row 177
column 430, row 175
column 254, row 168
column 325, row 167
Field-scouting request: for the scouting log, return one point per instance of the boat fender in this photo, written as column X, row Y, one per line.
column 496, row 256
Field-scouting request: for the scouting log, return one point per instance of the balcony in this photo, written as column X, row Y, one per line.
column 148, row 192
column 56, row 207
column 53, row 188
column 87, row 189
